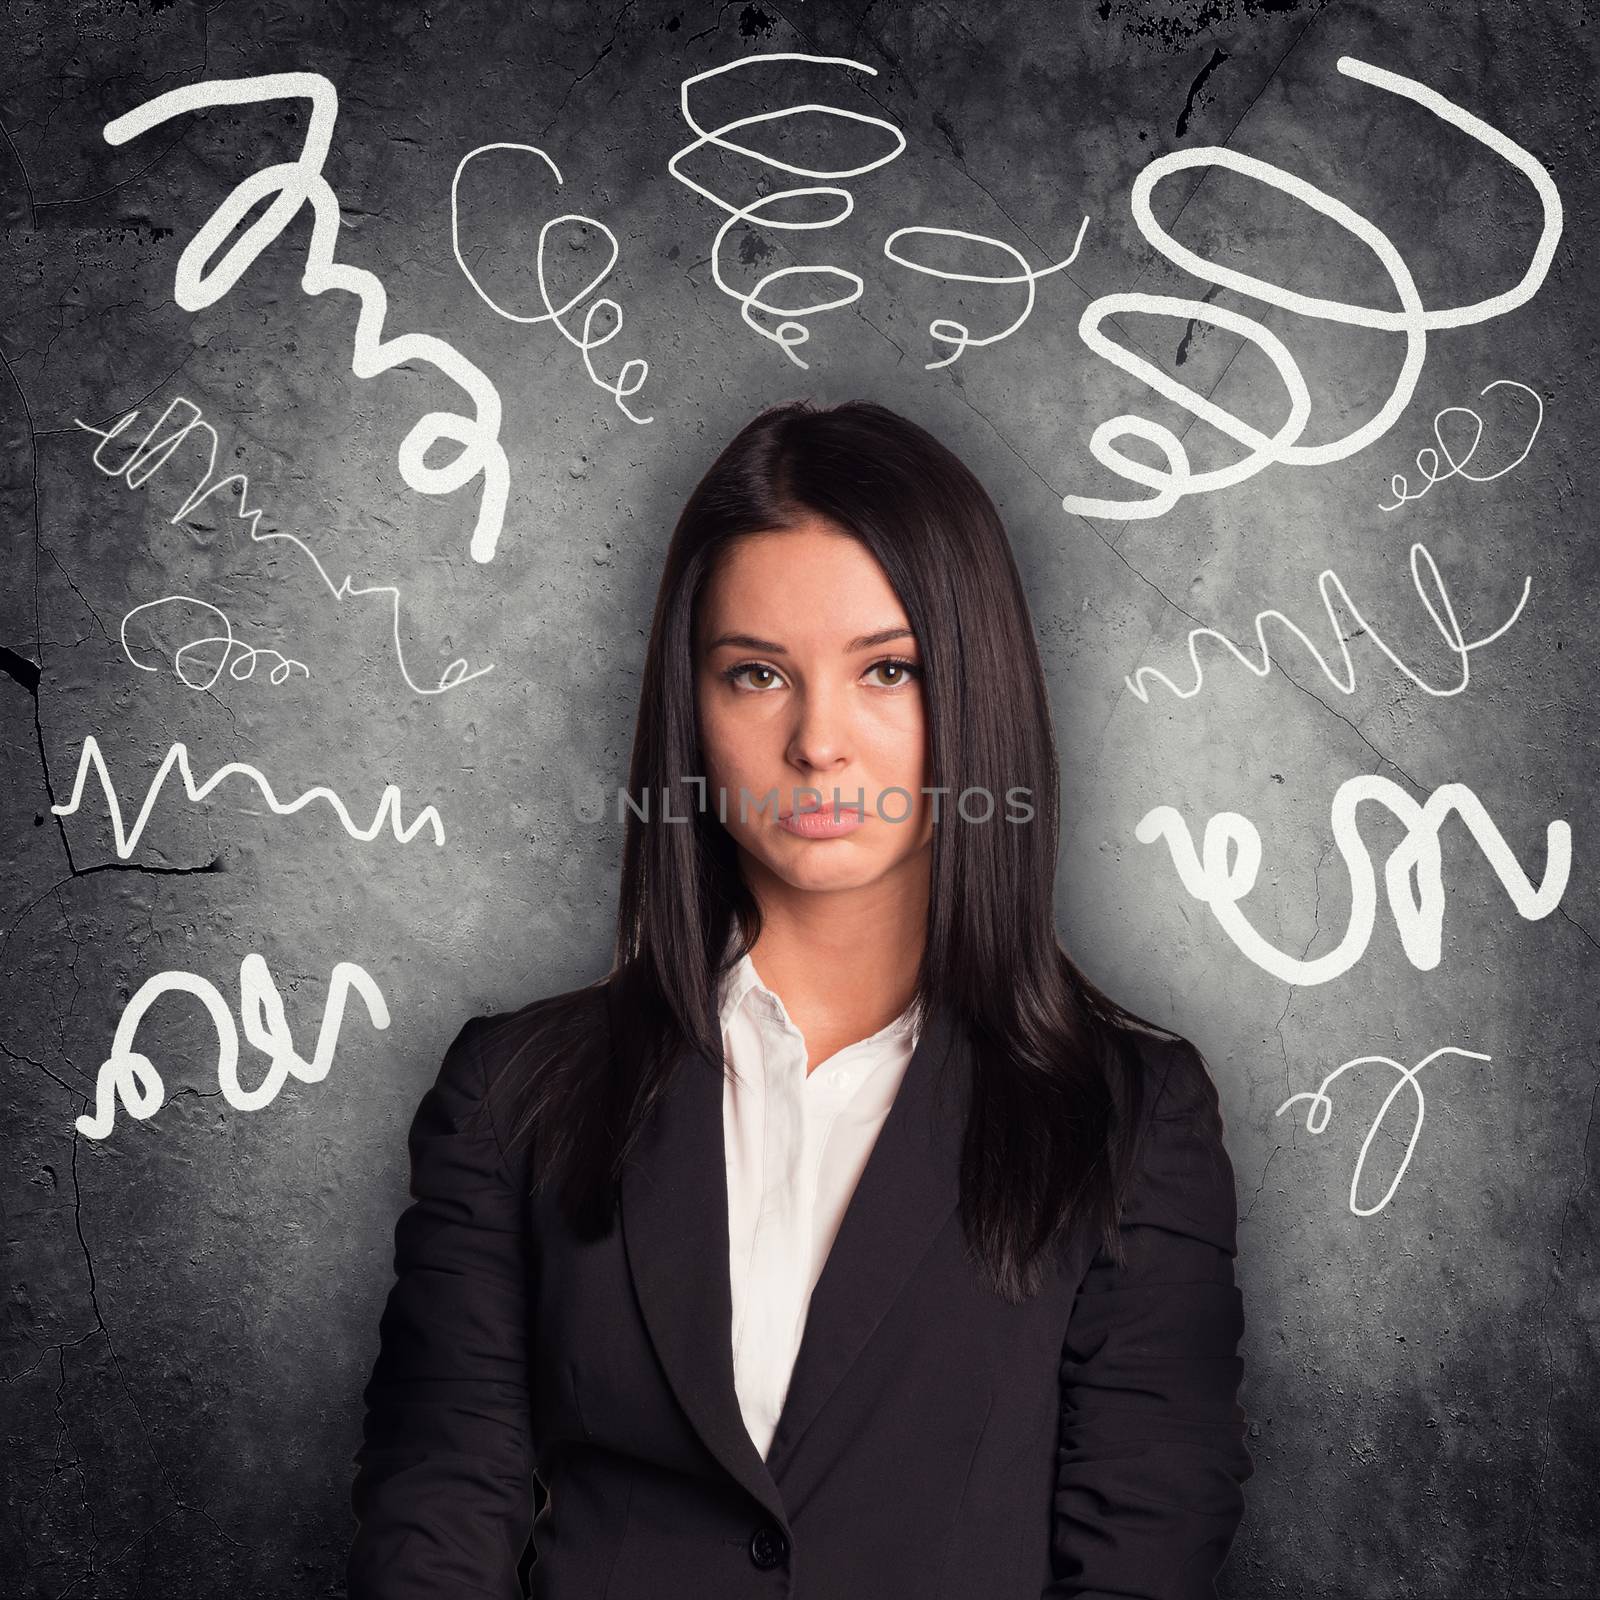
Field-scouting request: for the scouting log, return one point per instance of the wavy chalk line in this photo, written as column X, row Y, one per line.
column 1417, row 858
column 790, row 333
column 201, row 280
column 132, row 1077
column 1177, row 478
column 622, row 387
column 388, row 813
column 155, row 450
column 1428, row 457
column 1329, row 581
column 1321, row 1109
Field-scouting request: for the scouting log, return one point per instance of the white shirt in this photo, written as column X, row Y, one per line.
column 796, row 1144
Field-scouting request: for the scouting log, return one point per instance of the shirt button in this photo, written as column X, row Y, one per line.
column 838, row 1077
column 768, row 1546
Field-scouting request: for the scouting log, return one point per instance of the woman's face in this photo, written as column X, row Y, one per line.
column 809, row 680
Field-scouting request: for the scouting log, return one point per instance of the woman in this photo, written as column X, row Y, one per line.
column 845, row 1240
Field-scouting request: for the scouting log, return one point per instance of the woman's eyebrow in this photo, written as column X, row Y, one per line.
column 748, row 641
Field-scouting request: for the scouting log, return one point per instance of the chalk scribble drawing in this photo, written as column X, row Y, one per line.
column 182, row 420
column 1330, row 583
column 1456, row 461
column 1177, row 478
column 202, row 279
column 639, row 368
column 240, row 667
column 1321, row 1108
column 790, row 331
column 131, row 1077
column 389, row 813
column 1225, row 872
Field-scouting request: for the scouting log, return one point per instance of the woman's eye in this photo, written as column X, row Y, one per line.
column 900, row 672
column 752, row 669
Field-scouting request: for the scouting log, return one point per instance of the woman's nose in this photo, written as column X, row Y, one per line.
column 821, row 736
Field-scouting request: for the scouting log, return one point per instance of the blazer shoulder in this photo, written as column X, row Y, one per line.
column 513, row 1058
column 1177, row 1078
column 568, row 1016
column 1184, row 1170
column 1188, row 1088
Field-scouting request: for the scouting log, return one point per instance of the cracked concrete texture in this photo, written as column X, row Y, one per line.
column 192, row 1302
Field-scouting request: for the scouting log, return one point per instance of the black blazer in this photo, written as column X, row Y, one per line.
column 937, row 1443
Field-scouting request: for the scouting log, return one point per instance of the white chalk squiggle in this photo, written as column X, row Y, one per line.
column 247, row 658
column 1428, row 457
column 155, row 450
column 946, row 329
column 791, row 333
column 1177, row 479
column 201, row 280
column 130, row 1076
column 389, row 812
column 1329, row 581
column 1321, row 1109
column 1419, row 917
column 622, row 387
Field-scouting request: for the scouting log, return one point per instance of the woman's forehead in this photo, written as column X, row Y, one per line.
column 813, row 579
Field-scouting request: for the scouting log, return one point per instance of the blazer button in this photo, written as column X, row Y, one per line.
column 768, row 1545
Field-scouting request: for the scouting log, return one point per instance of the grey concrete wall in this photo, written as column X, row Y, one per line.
column 192, row 1297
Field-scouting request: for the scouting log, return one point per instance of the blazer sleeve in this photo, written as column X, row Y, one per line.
column 1151, row 1454
column 443, row 1493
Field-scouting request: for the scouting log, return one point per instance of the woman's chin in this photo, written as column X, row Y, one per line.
column 825, row 864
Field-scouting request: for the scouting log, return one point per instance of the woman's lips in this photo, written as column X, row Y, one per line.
column 823, row 823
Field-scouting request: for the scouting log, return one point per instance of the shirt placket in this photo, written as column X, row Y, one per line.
column 811, row 1102
column 780, row 1241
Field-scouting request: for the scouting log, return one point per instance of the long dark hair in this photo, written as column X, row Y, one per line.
column 1055, row 1088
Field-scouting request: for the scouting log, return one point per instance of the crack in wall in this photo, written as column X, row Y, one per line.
column 1218, row 56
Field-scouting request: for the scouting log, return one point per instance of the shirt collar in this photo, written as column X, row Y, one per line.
column 742, row 981
column 738, row 982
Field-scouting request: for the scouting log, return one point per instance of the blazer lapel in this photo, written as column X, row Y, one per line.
column 907, row 1191
column 674, row 1205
